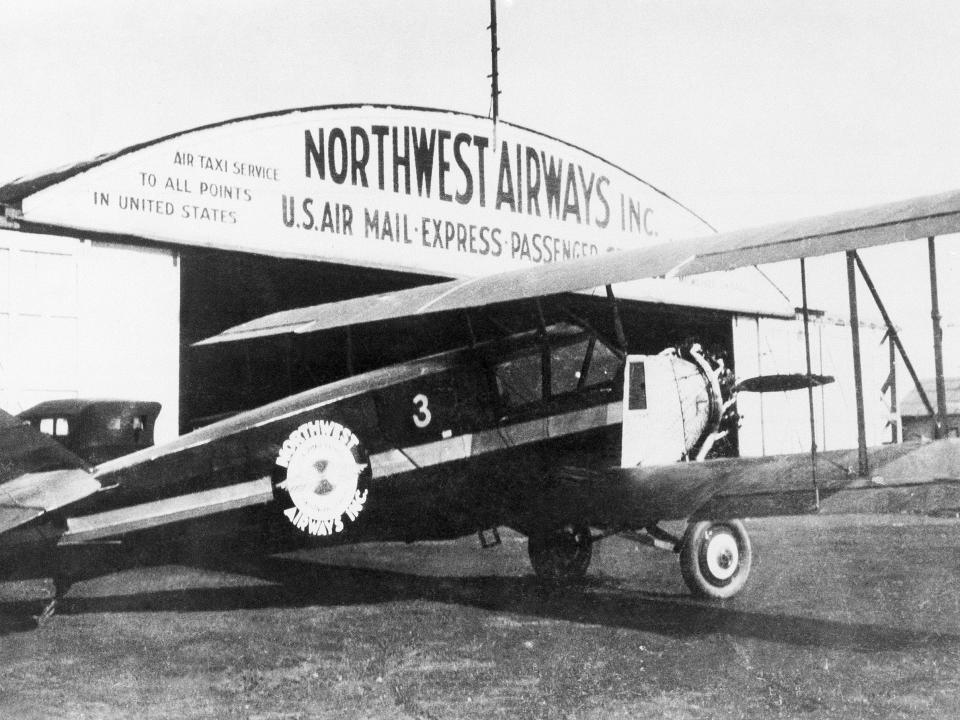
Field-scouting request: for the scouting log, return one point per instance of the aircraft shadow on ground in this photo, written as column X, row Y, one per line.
column 301, row 583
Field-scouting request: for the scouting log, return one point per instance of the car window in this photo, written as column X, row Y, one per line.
column 58, row 427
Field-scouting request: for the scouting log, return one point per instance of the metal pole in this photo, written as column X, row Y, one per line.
column 494, row 75
column 941, row 423
column 813, row 425
column 863, row 467
column 894, row 418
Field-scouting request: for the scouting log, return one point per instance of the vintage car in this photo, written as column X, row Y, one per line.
column 96, row 430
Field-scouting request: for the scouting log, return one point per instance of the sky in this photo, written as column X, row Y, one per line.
column 748, row 112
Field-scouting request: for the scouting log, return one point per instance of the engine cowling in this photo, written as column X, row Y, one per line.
column 670, row 405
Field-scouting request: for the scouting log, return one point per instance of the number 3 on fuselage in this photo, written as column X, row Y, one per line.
column 422, row 416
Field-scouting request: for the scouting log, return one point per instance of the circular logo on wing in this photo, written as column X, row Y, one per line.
column 324, row 465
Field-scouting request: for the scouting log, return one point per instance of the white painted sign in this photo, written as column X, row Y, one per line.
column 417, row 190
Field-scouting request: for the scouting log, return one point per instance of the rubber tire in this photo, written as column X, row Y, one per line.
column 694, row 565
column 561, row 557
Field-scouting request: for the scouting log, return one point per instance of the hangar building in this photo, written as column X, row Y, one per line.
column 111, row 269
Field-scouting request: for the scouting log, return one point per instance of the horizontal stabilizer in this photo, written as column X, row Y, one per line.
column 25, row 449
column 33, row 494
column 37, row 474
column 850, row 230
column 163, row 512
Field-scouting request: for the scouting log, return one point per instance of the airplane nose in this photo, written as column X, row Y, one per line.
column 699, row 396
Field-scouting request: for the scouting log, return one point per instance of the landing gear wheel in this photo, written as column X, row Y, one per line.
column 563, row 556
column 715, row 558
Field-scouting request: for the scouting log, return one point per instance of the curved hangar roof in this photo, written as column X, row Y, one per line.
column 400, row 188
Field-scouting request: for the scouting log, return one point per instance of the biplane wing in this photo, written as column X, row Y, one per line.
column 906, row 478
column 850, row 230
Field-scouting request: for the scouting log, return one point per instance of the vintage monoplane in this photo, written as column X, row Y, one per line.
column 557, row 432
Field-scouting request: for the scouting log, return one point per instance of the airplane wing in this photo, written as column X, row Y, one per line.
column 850, row 230
column 905, row 478
column 920, row 217
column 468, row 293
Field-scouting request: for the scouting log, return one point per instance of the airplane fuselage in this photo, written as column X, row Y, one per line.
column 434, row 448
column 514, row 432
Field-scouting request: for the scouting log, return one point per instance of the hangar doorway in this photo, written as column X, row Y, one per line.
column 221, row 289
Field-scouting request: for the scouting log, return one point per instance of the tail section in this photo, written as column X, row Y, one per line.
column 24, row 449
column 37, row 474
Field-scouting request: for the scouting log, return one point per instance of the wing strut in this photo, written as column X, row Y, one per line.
column 473, row 335
column 940, row 425
column 941, row 412
column 545, row 364
column 862, row 464
column 890, row 386
column 892, row 332
column 813, row 423
column 617, row 320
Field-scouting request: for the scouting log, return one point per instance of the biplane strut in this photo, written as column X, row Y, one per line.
column 940, row 413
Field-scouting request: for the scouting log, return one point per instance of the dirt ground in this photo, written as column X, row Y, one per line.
column 843, row 618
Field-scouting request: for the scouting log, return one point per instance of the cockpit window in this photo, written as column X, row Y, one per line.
column 577, row 361
column 566, row 366
column 584, row 364
column 519, row 380
column 604, row 365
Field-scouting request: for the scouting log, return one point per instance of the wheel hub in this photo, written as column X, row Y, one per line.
column 715, row 558
column 722, row 555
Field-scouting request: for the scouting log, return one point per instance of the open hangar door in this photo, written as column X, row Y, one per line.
column 220, row 289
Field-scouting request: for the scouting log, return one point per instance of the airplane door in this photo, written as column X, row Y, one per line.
column 653, row 426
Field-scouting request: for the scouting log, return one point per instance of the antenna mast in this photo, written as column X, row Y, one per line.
column 494, row 75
